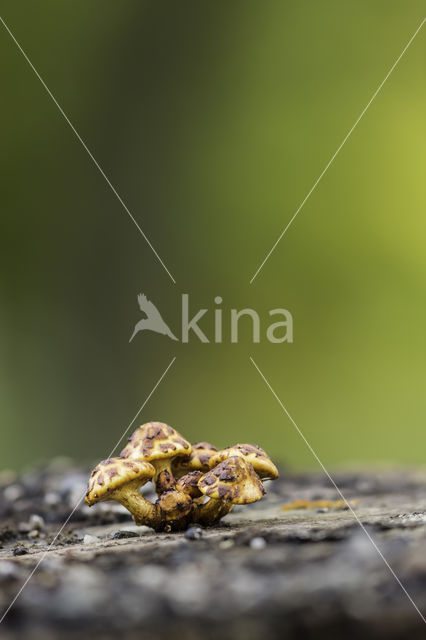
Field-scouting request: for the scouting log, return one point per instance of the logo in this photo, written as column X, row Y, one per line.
column 276, row 332
column 153, row 320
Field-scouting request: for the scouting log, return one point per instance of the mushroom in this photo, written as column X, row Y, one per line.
column 198, row 459
column 232, row 481
column 173, row 508
column 157, row 443
column 120, row 479
column 262, row 463
column 188, row 484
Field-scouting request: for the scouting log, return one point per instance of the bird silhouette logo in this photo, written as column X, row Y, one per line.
column 153, row 320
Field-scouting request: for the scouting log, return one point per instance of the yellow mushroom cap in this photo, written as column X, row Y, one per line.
column 174, row 505
column 113, row 474
column 155, row 441
column 189, row 484
column 198, row 459
column 233, row 480
column 260, row 460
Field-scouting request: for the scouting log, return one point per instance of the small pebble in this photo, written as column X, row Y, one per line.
column 34, row 533
column 88, row 539
column 323, row 510
column 258, row 543
column 36, row 522
column 20, row 551
column 193, row 533
column 125, row 534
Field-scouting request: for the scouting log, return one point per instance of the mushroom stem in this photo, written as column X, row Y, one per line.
column 211, row 511
column 143, row 511
column 164, row 479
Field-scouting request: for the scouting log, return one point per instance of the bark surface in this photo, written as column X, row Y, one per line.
column 264, row 572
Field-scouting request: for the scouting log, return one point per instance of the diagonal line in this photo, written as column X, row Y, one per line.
column 82, row 496
column 333, row 157
column 339, row 491
column 90, row 154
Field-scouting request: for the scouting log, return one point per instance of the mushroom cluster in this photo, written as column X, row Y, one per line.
column 184, row 475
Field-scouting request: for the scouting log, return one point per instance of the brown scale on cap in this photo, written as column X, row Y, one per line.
column 158, row 443
column 198, row 460
column 253, row 454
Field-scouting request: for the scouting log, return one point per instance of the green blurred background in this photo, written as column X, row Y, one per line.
column 213, row 120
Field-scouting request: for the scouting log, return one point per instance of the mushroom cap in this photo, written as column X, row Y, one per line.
column 260, row 460
column 155, row 441
column 189, row 484
column 198, row 459
column 174, row 505
column 233, row 480
column 113, row 474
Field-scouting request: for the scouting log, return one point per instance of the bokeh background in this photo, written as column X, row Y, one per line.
column 213, row 120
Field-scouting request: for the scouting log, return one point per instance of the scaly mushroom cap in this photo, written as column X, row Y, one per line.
column 198, row 459
column 189, row 484
column 260, row 460
column 174, row 505
column 155, row 441
column 233, row 480
column 115, row 473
